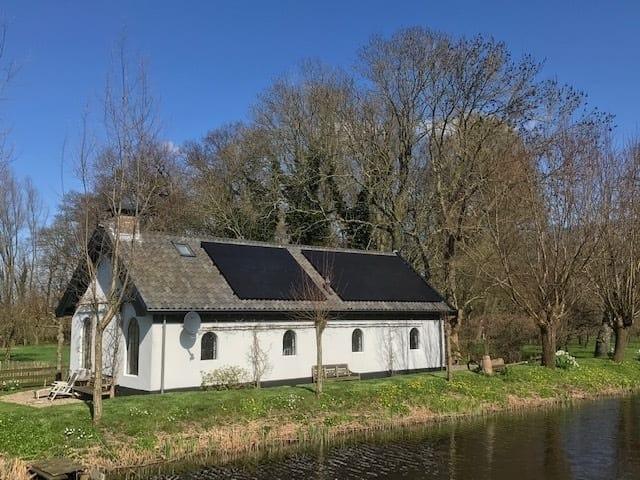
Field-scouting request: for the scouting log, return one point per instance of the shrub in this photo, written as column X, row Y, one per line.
column 9, row 385
column 565, row 361
column 225, row 378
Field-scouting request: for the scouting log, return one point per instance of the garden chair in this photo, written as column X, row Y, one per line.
column 63, row 389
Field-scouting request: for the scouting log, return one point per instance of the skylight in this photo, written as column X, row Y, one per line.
column 184, row 249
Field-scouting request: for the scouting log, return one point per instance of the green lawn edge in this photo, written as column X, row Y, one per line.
column 145, row 423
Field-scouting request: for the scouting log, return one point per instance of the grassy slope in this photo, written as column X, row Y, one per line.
column 145, row 422
column 38, row 353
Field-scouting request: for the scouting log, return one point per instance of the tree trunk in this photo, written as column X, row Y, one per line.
column 622, row 339
column 451, row 288
column 320, row 370
column 447, row 341
column 603, row 340
column 59, row 349
column 454, row 340
column 548, row 335
column 97, row 375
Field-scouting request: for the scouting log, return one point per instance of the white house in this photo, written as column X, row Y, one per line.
column 382, row 316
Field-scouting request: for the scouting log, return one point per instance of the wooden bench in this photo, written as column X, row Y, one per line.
column 497, row 365
column 338, row 371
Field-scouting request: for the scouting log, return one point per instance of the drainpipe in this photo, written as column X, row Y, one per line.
column 164, row 339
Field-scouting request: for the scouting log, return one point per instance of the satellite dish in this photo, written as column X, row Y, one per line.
column 191, row 323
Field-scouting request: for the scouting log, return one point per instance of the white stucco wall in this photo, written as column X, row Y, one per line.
column 92, row 299
column 114, row 337
column 385, row 343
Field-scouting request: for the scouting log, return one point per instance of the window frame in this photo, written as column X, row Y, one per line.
column 292, row 349
column 359, row 346
column 133, row 322
column 414, row 343
column 86, row 343
column 214, row 347
column 188, row 250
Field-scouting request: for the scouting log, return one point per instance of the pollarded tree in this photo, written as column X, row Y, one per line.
column 543, row 222
column 615, row 269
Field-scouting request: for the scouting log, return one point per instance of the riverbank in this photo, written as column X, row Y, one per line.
column 149, row 429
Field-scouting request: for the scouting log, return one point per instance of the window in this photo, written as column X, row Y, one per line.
column 414, row 339
column 289, row 343
column 133, row 346
column 356, row 340
column 209, row 346
column 86, row 343
column 184, row 249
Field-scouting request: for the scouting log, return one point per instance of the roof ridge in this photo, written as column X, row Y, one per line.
column 259, row 243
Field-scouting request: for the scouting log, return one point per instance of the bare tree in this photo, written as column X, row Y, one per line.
column 234, row 192
column 20, row 219
column 259, row 359
column 316, row 313
column 615, row 269
column 117, row 176
column 441, row 115
column 543, row 221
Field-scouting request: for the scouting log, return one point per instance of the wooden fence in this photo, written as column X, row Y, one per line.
column 29, row 374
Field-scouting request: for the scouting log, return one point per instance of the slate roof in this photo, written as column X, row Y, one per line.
column 165, row 281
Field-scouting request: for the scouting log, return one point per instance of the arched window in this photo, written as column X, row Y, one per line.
column 356, row 341
column 86, row 343
column 289, row 343
column 414, row 339
column 133, row 346
column 209, row 346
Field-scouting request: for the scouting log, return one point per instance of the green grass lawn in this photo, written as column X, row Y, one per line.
column 140, row 422
column 38, row 353
column 582, row 351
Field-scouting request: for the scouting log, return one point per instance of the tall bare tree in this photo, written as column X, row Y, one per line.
column 543, row 222
column 615, row 269
column 125, row 177
column 20, row 219
column 442, row 114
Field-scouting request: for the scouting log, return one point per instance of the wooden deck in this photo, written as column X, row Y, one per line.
column 56, row 469
column 87, row 390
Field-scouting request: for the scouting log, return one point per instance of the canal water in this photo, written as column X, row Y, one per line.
column 591, row 440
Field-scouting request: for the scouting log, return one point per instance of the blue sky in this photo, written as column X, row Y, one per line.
column 208, row 60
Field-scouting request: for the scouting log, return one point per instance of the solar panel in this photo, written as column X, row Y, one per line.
column 261, row 273
column 367, row 277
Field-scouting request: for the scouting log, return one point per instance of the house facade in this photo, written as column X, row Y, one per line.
column 197, row 305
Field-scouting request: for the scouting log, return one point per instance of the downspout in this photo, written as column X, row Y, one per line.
column 443, row 353
column 162, row 354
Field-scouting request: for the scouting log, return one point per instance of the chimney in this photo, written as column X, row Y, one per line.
column 125, row 223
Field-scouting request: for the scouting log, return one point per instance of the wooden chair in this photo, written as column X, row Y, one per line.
column 63, row 389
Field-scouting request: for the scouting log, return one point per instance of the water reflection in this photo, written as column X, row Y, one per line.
column 596, row 440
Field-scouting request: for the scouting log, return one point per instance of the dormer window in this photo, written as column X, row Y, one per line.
column 184, row 249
